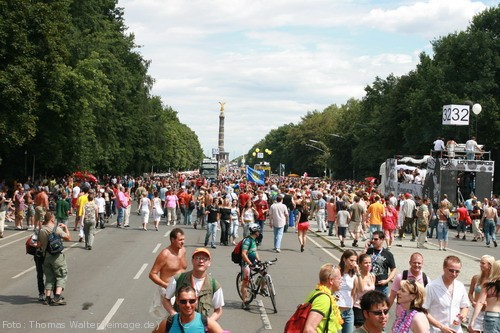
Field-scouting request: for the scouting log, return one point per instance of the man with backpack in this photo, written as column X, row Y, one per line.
column 54, row 264
column 414, row 273
column 208, row 290
column 324, row 314
column 249, row 257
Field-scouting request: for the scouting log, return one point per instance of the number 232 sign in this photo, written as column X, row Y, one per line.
column 456, row 115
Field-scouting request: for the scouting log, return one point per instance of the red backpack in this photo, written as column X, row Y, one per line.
column 297, row 321
column 236, row 254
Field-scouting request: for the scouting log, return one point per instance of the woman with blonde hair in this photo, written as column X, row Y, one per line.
column 489, row 301
column 443, row 213
column 476, row 283
column 411, row 296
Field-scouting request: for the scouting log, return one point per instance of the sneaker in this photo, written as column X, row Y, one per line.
column 41, row 297
column 457, row 236
column 80, row 240
column 440, row 249
column 445, row 249
column 463, row 237
column 245, row 306
column 1, row 234
column 48, row 300
column 278, row 250
column 59, row 301
column 495, row 243
column 474, row 240
column 264, row 292
column 342, row 244
column 89, row 247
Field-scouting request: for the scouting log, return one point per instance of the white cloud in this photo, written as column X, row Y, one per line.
column 272, row 61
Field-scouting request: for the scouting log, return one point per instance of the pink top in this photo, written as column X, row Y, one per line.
column 171, row 201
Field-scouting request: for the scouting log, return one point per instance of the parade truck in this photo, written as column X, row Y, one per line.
column 453, row 175
column 209, row 169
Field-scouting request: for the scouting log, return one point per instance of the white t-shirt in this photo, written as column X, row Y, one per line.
column 345, row 291
column 101, row 204
column 76, row 192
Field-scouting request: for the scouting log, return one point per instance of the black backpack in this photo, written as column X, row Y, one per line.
column 424, row 277
column 54, row 242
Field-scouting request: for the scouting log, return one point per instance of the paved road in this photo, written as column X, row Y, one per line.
column 108, row 287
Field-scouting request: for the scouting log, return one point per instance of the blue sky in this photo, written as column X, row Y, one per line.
column 272, row 61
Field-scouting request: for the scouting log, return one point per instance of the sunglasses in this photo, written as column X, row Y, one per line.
column 380, row 313
column 201, row 258
column 185, row 301
column 451, row 270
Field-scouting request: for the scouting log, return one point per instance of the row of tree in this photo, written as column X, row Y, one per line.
column 75, row 94
column 401, row 115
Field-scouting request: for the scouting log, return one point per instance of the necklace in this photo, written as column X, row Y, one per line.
column 186, row 325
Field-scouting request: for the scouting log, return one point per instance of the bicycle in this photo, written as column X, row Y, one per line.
column 258, row 273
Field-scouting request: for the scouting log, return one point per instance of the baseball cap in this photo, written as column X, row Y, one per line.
column 407, row 195
column 201, row 250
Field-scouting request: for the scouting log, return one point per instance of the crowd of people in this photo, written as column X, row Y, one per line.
column 366, row 283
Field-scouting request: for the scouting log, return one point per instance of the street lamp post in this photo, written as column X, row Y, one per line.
column 326, row 151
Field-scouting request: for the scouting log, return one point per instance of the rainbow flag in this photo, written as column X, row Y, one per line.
column 256, row 176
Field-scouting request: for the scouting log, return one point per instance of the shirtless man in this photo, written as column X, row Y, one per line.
column 169, row 262
column 488, row 224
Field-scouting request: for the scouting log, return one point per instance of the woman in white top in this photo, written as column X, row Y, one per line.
column 144, row 206
column 235, row 221
column 157, row 210
column 349, row 268
column 248, row 217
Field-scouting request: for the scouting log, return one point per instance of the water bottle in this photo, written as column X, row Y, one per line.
column 456, row 324
column 34, row 237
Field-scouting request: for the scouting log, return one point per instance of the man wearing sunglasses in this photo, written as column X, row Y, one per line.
column 187, row 320
column 375, row 306
column 447, row 301
column 208, row 290
column 383, row 264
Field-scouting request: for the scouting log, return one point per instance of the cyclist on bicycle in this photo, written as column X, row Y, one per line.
column 249, row 257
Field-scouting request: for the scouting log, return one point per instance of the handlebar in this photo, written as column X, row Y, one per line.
column 263, row 264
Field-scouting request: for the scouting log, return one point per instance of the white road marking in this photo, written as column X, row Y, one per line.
column 156, row 247
column 110, row 314
column 167, row 234
column 263, row 315
column 24, row 272
column 15, row 241
column 322, row 248
column 17, row 233
column 136, row 277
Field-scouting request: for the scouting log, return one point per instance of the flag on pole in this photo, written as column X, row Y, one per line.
column 255, row 176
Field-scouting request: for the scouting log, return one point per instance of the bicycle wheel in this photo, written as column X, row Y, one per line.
column 250, row 293
column 272, row 291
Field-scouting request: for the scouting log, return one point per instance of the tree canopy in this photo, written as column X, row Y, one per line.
column 401, row 115
column 75, row 94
